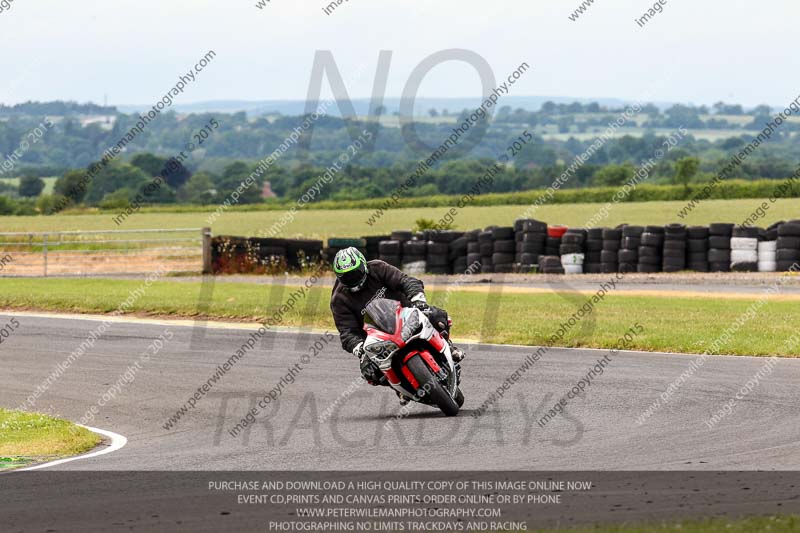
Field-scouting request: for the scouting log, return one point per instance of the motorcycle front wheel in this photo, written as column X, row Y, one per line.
column 430, row 387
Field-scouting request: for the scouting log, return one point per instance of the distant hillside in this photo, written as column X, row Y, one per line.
column 556, row 134
column 57, row 108
column 361, row 105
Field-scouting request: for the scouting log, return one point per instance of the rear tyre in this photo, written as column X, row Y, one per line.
column 427, row 382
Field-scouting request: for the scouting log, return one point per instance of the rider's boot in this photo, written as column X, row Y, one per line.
column 403, row 399
column 457, row 353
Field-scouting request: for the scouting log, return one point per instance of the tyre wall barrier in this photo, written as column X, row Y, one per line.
column 534, row 246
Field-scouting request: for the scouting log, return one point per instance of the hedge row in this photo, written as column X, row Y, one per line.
column 726, row 190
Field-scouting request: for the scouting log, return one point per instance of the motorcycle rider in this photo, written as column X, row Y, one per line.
column 358, row 282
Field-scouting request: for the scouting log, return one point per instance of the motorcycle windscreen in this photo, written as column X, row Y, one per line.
column 382, row 314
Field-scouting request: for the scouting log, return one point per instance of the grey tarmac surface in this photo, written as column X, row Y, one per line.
column 598, row 431
column 664, row 469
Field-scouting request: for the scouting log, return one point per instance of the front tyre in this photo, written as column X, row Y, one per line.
column 430, row 388
column 459, row 397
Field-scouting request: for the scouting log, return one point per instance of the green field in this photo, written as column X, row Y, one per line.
column 319, row 223
column 30, row 437
column 677, row 324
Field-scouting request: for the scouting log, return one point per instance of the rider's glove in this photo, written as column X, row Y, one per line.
column 370, row 371
column 420, row 302
column 358, row 351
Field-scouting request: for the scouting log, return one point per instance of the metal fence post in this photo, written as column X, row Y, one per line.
column 44, row 251
column 206, row 232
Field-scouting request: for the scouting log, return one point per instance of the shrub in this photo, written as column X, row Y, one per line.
column 7, row 206
column 30, row 186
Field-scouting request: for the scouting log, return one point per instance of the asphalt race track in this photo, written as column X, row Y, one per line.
column 598, row 431
column 671, row 466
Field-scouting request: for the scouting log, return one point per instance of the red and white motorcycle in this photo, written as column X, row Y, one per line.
column 413, row 356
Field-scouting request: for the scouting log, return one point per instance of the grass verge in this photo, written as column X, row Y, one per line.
column 33, row 437
column 677, row 324
column 773, row 524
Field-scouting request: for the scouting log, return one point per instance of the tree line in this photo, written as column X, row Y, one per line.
column 217, row 167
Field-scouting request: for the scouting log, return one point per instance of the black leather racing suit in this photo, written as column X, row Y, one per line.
column 383, row 281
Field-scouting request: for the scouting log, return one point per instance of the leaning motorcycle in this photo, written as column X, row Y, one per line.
column 414, row 358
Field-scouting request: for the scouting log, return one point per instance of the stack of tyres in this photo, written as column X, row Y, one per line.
column 719, row 247
column 474, row 250
column 486, row 249
column 571, row 251
column 335, row 245
column 593, row 250
column 651, row 245
column 458, row 254
column 472, row 260
column 231, row 254
column 442, row 235
column 437, row 259
column 767, row 250
column 438, row 251
column 744, row 249
column 302, row 252
column 674, row 254
column 390, row 252
column 401, row 235
column 697, row 248
column 552, row 244
column 628, row 255
column 550, row 264
column 503, row 249
column 518, row 236
column 788, row 246
column 269, row 250
column 415, row 255
column 519, row 226
column 609, row 256
column 372, row 244
column 530, row 243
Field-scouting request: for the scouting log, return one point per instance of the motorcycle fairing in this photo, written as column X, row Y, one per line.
column 386, row 321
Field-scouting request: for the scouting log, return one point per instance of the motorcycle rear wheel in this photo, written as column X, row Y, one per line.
column 427, row 382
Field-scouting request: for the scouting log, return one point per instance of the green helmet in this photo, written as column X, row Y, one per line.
column 350, row 266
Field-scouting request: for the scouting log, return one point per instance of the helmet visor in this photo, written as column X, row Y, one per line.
column 353, row 279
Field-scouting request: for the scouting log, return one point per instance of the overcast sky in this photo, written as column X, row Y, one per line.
column 134, row 50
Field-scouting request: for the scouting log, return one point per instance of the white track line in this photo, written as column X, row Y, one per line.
column 117, row 442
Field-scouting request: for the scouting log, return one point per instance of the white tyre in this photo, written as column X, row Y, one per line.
column 767, row 246
column 415, row 267
column 572, row 259
column 767, row 256
column 743, row 243
column 744, row 256
column 573, row 269
column 767, row 266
